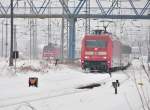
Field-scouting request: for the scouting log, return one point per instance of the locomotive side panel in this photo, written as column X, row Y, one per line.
column 126, row 55
column 116, row 55
column 121, row 54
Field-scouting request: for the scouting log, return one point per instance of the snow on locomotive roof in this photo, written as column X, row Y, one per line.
column 50, row 46
column 127, row 48
column 98, row 32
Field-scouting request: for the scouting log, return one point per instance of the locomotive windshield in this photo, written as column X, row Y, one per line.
column 96, row 43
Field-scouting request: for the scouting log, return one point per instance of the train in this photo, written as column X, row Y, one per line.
column 51, row 51
column 101, row 51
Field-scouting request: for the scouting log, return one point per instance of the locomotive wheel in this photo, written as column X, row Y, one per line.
column 84, row 70
column 83, row 67
column 91, row 70
column 36, row 84
column 107, row 69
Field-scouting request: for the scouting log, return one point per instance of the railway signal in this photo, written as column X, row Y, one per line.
column 116, row 85
column 33, row 81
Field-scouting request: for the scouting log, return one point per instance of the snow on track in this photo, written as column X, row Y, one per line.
column 61, row 84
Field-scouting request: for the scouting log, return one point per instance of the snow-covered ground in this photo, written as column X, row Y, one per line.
column 57, row 86
column 57, row 89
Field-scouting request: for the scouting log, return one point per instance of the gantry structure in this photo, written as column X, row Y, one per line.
column 101, row 11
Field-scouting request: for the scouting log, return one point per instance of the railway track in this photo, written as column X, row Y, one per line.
column 56, row 93
column 17, row 101
column 35, row 98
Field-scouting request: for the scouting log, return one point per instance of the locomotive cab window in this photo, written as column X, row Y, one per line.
column 95, row 43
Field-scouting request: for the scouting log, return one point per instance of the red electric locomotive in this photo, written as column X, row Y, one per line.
column 100, row 52
column 51, row 50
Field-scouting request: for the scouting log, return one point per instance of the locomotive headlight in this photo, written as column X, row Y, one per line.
column 104, row 57
column 86, row 57
column 101, row 53
column 95, row 49
column 82, row 61
column 89, row 53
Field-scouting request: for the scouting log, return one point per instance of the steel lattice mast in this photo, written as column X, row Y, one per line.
column 104, row 12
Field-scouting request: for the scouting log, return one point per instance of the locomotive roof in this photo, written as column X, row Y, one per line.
column 50, row 46
column 101, row 36
column 99, row 32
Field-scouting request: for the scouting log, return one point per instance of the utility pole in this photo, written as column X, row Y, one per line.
column 149, row 46
column 87, row 20
column 31, row 31
column 35, row 39
column 30, row 37
column 62, row 36
column 15, row 39
column 2, row 38
column 6, row 42
column 49, row 24
column 64, row 24
column 11, row 39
